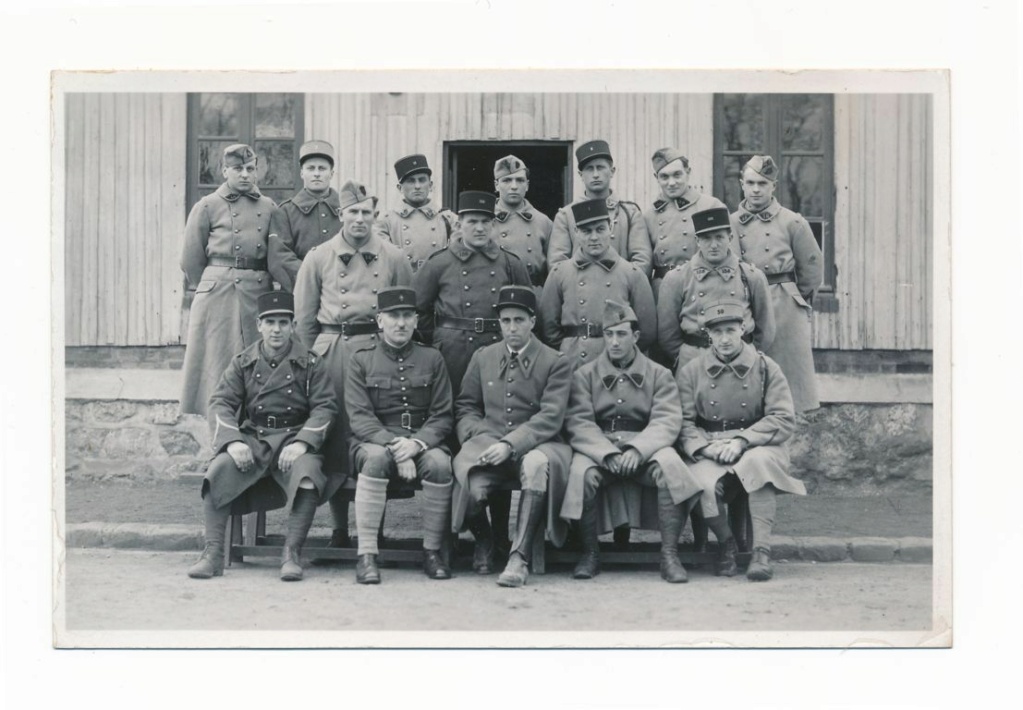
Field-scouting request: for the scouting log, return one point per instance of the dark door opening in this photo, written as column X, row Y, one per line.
column 469, row 165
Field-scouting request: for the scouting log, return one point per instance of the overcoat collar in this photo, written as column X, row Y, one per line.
column 464, row 252
column 688, row 198
column 607, row 262
column 341, row 246
column 764, row 215
column 395, row 353
column 231, row 196
column 527, row 356
column 741, row 364
column 637, row 372
column 299, row 354
column 426, row 209
column 305, row 200
column 726, row 270
column 526, row 213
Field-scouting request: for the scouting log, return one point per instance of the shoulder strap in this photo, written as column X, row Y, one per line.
column 745, row 282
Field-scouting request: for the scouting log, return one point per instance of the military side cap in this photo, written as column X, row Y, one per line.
column 723, row 312
column 709, row 220
column 763, row 164
column 474, row 201
column 275, row 303
column 668, row 155
column 394, row 298
column 507, row 165
column 589, row 211
column 352, row 193
column 593, row 149
column 615, row 313
column 522, row 297
column 238, row 154
column 410, row 165
column 316, row 149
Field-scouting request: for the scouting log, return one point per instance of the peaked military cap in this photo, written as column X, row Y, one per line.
column 663, row 156
column 723, row 312
column 410, row 165
column 238, row 154
column 590, row 211
column 709, row 220
column 316, row 149
column 593, row 149
column 615, row 313
column 763, row 164
column 474, row 201
column 522, row 297
column 394, row 298
column 507, row 165
column 352, row 193
column 275, row 303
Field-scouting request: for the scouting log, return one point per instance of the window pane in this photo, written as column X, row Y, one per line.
column 211, row 157
column 275, row 115
column 218, row 114
column 743, row 122
column 803, row 122
column 801, row 187
column 276, row 166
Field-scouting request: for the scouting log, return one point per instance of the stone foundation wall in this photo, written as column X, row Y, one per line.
column 840, row 449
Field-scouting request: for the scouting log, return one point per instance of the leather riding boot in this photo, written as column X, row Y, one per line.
column 759, row 569
column 725, row 566
column 531, row 512
column 499, row 503
column 436, row 506
column 211, row 562
column 366, row 571
column 588, row 565
column 483, row 550
column 670, row 519
column 299, row 521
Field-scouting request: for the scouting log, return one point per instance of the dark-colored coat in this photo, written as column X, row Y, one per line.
column 628, row 229
column 303, row 222
column 527, row 234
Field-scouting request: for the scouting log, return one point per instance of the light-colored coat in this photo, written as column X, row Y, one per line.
column 526, row 233
column 417, row 231
column 670, row 225
column 629, row 235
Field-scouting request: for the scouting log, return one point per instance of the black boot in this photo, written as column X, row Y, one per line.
column 483, row 550
column 211, row 562
column 531, row 512
column 339, row 537
column 499, row 503
column 759, row 569
column 620, row 539
column 299, row 522
column 726, row 565
column 588, row 565
column 671, row 519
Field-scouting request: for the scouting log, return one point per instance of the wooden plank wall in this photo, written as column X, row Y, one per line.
column 124, row 217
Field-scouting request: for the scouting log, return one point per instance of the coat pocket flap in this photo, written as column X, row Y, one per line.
column 378, row 382
column 205, row 286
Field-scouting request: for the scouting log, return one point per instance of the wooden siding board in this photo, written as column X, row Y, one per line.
column 157, row 276
column 74, row 267
column 88, row 333
column 174, row 112
column 122, row 304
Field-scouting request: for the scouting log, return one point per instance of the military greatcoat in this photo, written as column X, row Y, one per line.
column 269, row 403
column 417, row 231
column 669, row 223
column 747, row 397
column 303, row 222
column 629, row 236
column 525, row 232
column 778, row 241
column 523, row 405
column 224, row 225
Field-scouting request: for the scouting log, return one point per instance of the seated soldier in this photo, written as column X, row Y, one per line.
column 623, row 421
column 398, row 398
column 737, row 413
column 269, row 417
column 509, row 416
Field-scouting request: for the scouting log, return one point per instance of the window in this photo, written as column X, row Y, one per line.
column 270, row 123
column 798, row 131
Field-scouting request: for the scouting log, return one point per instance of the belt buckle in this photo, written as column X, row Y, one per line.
column 593, row 330
column 406, row 420
column 271, row 421
column 614, row 424
column 479, row 325
column 344, row 328
column 239, row 262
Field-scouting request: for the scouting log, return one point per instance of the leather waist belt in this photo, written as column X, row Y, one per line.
column 724, row 425
column 661, row 271
column 621, row 424
column 359, row 328
column 237, row 262
column 279, row 421
column 587, row 330
column 474, row 325
column 405, row 420
column 702, row 340
column 781, row 278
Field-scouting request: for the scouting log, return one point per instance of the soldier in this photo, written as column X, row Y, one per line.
column 511, row 431
column 629, row 233
column 714, row 274
column 573, row 298
column 336, row 304
column 737, row 414
column 399, row 403
column 520, row 228
column 417, row 228
column 269, row 417
column 779, row 242
column 312, row 216
column 672, row 236
column 226, row 257
column 623, row 420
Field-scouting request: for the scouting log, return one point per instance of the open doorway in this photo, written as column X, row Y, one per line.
column 469, row 165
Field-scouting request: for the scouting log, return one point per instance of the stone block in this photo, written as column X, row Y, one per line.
column 131, row 443
column 872, row 549
column 163, row 413
column 175, row 537
column 916, row 549
column 114, row 411
column 823, row 549
column 178, row 443
column 127, row 535
column 785, row 548
column 83, row 441
column 84, row 535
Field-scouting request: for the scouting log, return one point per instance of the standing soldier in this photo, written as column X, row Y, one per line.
column 779, row 242
column 417, row 228
column 573, row 298
column 511, row 431
column 629, row 234
column 737, row 415
column 399, row 403
column 520, row 228
column 669, row 221
column 312, row 216
column 226, row 257
column 623, row 420
column 269, row 417
column 713, row 275
column 336, row 306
